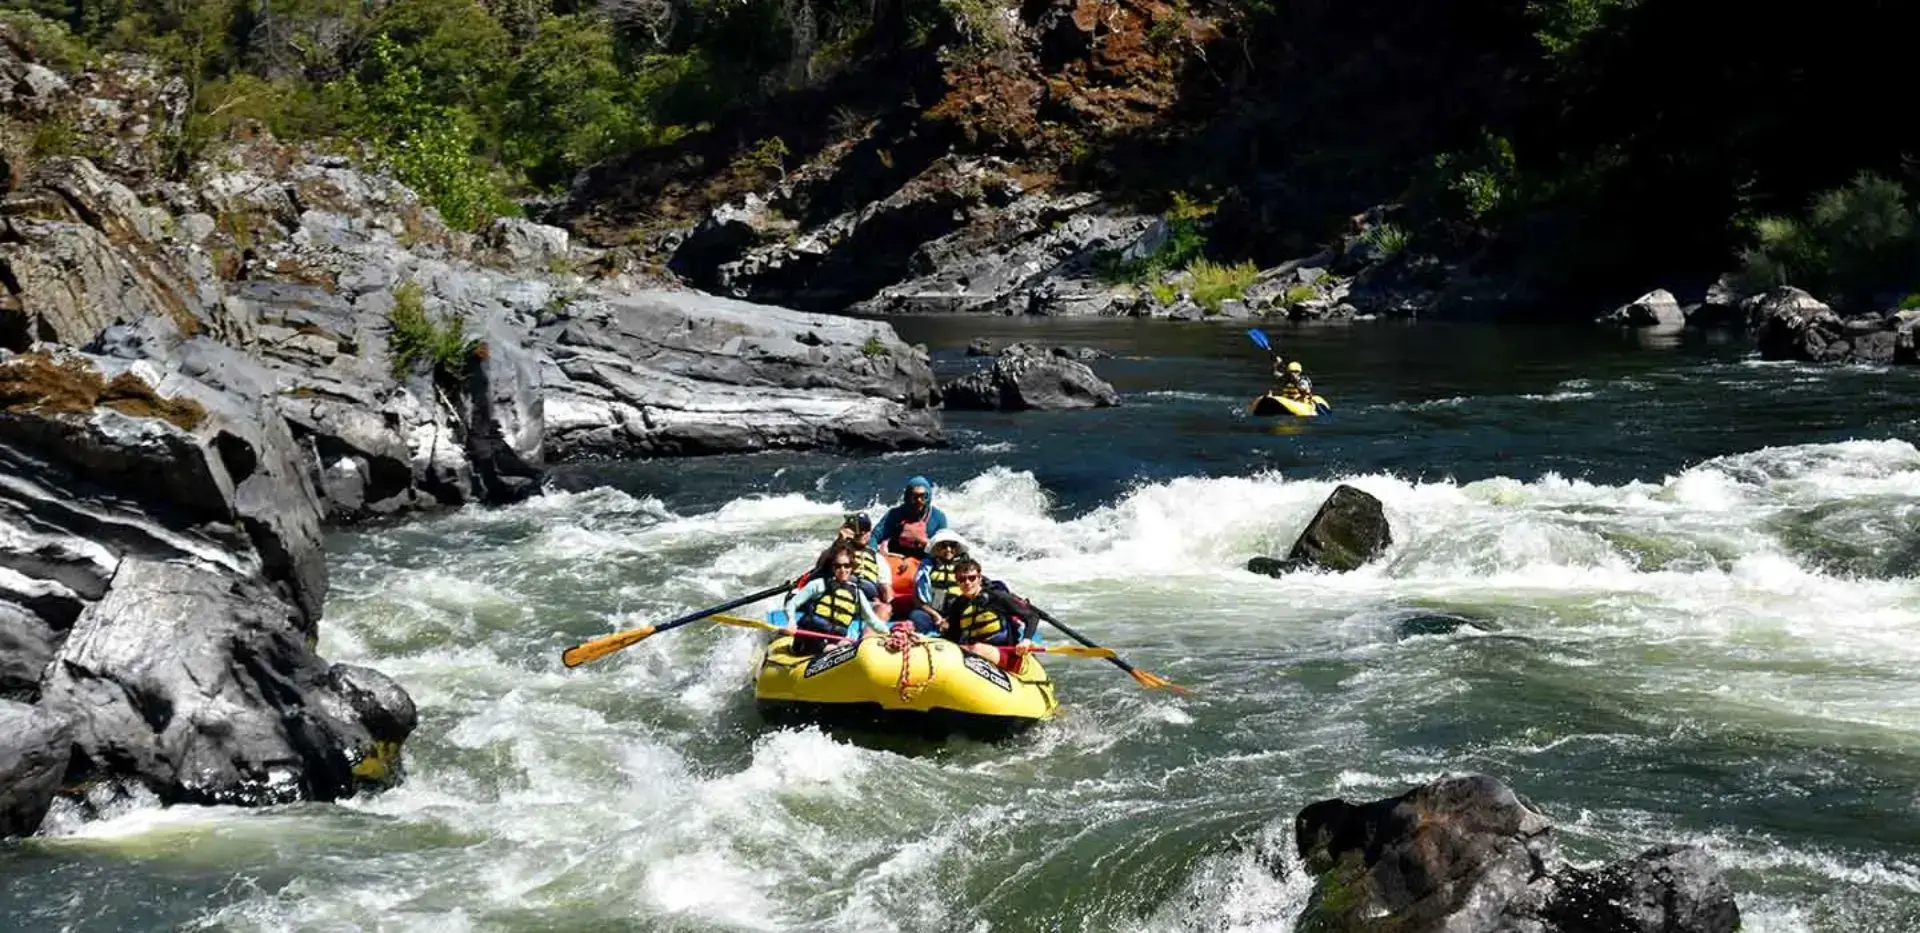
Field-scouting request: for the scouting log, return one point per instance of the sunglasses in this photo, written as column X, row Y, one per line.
column 916, row 495
column 967, row 577
column 838, row 566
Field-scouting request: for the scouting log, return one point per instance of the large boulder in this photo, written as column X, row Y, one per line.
column 1349, row 529
column 1789, row 324
column 1464, row 853
column 161, row 565
column 1657, row 310
column 35, row 743
column 1024, row 379
column 680, row 372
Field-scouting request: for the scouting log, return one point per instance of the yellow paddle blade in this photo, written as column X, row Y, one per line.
column 1154, row 682
column 1078, row 651
column 595, row 649
column 744, row 622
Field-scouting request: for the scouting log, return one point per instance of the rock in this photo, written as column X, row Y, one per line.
column 201, row 686
column 1666, row 889
column 27, row 644
column 1789, row 324
column 1657, row 309
column 160, row 547
column 1465, row 853
column 1453, row 854
column 1349, row 529
column 35, row 743
column 683, row 373
column 1025, row 380
column 525, row 244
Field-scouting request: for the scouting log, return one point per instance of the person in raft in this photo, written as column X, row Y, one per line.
column 856, row 531
column 987, row 618
column 903, row 536
column 834, row 605
column 934, row 581
column 907, row 528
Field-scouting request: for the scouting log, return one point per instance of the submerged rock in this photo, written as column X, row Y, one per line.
column 1465, row 853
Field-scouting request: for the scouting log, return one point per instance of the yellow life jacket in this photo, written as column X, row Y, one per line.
column 866, row 566
column 838, row 604
column 941, row 579
column 979, row 621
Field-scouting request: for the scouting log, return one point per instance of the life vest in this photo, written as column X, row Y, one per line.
column 837, row 605
column 866, row 565
column 911, row 539
column 904, row 569
column 979, row 621
column 940, row 578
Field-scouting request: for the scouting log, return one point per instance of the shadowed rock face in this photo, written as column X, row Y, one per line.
column 161, row 579
column 1465, row 853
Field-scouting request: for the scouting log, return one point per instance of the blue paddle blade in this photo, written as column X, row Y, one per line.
column 1259, row 338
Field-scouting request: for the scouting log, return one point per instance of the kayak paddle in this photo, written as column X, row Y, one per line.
column 1259, row 338
column 1149, row 681
column 597, row 648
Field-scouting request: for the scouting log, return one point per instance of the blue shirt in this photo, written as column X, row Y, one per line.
column 896, row 518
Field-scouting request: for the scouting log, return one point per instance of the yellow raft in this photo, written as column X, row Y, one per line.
column 1273, row 404
column 944, row 690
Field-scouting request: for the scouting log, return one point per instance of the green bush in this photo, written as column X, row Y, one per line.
column 416, row 339
column 1212, row 283
column 1854, row 244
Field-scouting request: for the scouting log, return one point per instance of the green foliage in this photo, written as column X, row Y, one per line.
column 426, row 144
column 415, row 338
column 1854, row 243
column 1186, row 239
column 1298, row 294
column 980, row 23
column 53, row 43
column 1474, row 184
column 566, row 102
column 873, row 346
column 1910, row 303
column 1388, row 238
column 1211, row 283
column 1564, row 24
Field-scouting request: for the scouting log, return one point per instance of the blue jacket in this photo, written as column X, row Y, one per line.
column 898, row 516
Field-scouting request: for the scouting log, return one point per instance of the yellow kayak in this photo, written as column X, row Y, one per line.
column 1271, row 404
column 945, row 689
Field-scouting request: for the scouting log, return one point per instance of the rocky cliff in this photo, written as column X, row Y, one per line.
column 200, row 368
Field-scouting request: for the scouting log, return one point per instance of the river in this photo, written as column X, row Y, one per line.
column 1698, row 576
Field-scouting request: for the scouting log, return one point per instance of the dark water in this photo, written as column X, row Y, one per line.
column 1419, row 401
column 1700, row 570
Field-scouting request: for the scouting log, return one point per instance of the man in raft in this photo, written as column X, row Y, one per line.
column 855, row 531
column 903, row 534
column 988, row 620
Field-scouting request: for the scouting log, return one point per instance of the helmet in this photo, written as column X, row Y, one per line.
column 1293, row 367
column 944, row 535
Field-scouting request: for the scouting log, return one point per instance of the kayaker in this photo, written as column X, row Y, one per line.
column 834, row 605
column 935, row 580
column 906, row 528
column 855, row 531
column 1290, row 381
column 987, row 619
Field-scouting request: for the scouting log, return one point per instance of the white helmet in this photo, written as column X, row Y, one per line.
column 947, row 534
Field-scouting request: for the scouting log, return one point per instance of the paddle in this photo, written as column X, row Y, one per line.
column 597, row 648
column 1259, row 338
column 1071, row 651
column 1149, row 681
